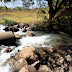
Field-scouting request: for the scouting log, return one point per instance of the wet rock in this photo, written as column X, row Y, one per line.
column 11, row 29
column 8, row 50
column 59, row 69
column 28, row 68
column 51, row 49
column 28, row 29
column 15, row 28
column 43, row 68
column 36, row 65
column 70, row 69
column 30, row 34
column 21, row 25
column 27, row 52
column 7, row 38
column 6, row 62
column 32, row 58
column 66, row 69
column 60, row 60
column 23, row 30
column 19, row 64
column 6, row 29
column 17, row 36
column 68, row 58
column 26, row 25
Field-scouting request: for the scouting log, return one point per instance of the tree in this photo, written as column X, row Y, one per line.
column 27, row 3
column 56, row 5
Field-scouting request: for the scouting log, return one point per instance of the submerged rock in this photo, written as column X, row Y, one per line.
column 17, row 36
column 8, row 50
column 31, row 34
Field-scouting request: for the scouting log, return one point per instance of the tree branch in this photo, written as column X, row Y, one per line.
column 56, row 4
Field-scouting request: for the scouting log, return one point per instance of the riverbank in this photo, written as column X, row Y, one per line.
column 38, row 18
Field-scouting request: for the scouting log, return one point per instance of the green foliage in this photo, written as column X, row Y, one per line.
column 8, row 22
column 5, row 8
column 19, row 8
column 41, row 11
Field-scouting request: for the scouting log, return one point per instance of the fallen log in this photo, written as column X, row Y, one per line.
column 7, row 38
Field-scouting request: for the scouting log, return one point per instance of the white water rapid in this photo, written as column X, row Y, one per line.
column 41, row 38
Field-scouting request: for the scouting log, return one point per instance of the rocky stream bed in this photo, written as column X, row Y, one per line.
column 36, row 51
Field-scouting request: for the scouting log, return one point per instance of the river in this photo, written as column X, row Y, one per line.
column 41, row 39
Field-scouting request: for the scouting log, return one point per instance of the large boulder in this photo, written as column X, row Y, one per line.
column 19, row 64
column 28, row 68
column 7, row 38
column 36, row 65
column 27, row 52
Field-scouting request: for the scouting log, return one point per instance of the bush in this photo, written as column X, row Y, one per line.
column 8, row 22
column 41, row 13
column 5, row 8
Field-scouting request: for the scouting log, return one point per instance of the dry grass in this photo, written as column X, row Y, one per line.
column 26, row 16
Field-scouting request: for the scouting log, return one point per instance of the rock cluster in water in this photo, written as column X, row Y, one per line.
column 8, row 37
column 32, row 59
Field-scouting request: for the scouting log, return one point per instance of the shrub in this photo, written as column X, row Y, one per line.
column 8, row 22
column 5, row 8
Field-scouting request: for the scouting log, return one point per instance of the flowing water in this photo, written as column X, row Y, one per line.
column 41, row 39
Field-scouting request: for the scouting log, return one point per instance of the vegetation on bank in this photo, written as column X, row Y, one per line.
column 31, row 16
column 57, row 16
column 8, row 22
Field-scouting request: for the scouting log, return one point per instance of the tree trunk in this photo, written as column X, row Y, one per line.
column 51, row 10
